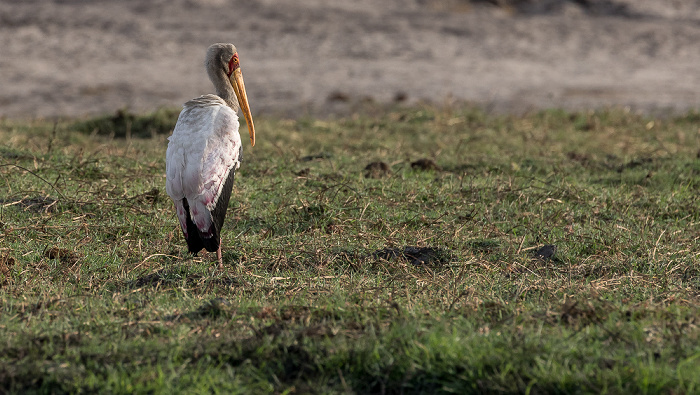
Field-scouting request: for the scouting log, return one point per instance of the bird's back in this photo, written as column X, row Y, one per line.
column 203, row 151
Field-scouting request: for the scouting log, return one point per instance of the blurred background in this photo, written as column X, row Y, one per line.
column 67, row 58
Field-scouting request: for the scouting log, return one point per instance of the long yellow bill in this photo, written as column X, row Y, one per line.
column 239, row 88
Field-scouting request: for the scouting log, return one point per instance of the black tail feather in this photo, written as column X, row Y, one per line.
column 195, row 241
column 211, row 244
column 219, row 212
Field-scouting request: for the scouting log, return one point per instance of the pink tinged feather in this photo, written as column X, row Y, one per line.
column 201, row 218
column 181, row 216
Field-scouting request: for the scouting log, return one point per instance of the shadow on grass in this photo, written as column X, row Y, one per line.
column 177, row 276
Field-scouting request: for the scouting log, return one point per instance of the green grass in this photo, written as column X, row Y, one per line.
column 99, row 294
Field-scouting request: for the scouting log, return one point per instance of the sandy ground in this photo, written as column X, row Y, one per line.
column 81, row 57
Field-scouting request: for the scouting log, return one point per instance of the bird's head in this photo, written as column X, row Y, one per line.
column 224, row 57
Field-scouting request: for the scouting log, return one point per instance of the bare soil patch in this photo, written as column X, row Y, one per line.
column 74, row 58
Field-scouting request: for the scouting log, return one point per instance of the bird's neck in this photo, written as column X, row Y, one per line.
column 224, row 90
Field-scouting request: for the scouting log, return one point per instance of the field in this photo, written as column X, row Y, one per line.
column 398, row 250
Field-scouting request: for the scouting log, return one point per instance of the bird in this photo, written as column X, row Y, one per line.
column 204, row 152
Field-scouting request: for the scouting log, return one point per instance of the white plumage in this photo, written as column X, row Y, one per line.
column 204, row 148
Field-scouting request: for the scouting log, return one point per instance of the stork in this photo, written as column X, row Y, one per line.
column 205, row 150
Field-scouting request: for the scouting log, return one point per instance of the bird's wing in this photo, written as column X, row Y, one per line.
column 204, row 147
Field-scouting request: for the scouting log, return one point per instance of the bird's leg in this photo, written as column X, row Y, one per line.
column 219, row 256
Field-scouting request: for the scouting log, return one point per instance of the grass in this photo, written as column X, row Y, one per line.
column 548, row 253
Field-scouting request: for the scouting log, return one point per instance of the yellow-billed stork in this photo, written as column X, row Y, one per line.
column 204, row 152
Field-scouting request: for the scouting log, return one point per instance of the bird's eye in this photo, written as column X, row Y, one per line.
column 233, row 64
